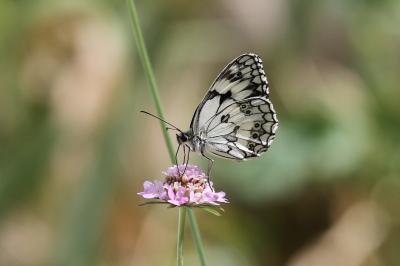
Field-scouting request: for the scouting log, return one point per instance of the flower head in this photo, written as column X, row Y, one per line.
column 183, row 185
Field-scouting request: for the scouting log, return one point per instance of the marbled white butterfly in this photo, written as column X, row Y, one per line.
column 235, row 120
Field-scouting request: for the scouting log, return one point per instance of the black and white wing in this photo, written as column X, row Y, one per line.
column 236, row 119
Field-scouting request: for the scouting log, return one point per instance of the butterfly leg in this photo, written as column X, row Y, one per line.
column 183, row 162
column 187, row 160
column 210, row 165
column 176, row 154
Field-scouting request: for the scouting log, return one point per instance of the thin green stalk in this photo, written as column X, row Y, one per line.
column 144, row 58
column 197, row 237
column 181, row 229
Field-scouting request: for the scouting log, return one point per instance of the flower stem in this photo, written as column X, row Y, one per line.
column 197, row 237
column 144, row 58
column 181, row 231
column 142, row 51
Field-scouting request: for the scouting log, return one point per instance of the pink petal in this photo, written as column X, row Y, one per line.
column 171, row 193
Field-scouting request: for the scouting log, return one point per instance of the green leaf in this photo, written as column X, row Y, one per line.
column 210, row 210
column 216, row 207
column 152, row 203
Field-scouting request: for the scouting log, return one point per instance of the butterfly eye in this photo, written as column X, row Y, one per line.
column 256, row 125
column 255, row 135
column 243, row 106
column 182, row 138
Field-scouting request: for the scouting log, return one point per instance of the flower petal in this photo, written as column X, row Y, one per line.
column 184, row 185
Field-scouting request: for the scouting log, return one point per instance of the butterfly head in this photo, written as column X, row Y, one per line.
column 189, row 140
column 182, row 137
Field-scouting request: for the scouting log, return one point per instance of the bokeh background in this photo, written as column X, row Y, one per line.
column 74, row 150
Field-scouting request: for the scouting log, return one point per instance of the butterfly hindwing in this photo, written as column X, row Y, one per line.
column 245, row 129
column 236, row 118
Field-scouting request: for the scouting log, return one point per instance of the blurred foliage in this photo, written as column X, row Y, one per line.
column 75, row 150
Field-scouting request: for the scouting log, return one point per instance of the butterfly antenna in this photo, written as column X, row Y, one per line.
column 168, row 128
column 173, row 127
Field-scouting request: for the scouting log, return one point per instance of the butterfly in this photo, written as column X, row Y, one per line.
column 236, row 119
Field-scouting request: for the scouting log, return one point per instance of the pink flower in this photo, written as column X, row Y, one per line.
column 188, row 187
column 152, row 190
column 212, row 197
column 177, row 198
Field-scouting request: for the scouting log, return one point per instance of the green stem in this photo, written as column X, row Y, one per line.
column 144, row 58
column 197, row 237
column 181, row 231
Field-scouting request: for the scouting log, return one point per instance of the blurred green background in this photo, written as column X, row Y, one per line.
column 74, row 150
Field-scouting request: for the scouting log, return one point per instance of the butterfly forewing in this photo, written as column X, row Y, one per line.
column 236, row 119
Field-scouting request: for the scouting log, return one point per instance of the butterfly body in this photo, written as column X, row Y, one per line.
column 235, row 120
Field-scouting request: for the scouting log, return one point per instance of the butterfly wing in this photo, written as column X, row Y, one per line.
column 236, row 119
column 244, row 129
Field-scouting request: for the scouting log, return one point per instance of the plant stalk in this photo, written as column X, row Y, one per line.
column 148, row 70
column 144, row 58
column 181, row 230
column 197, row 237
